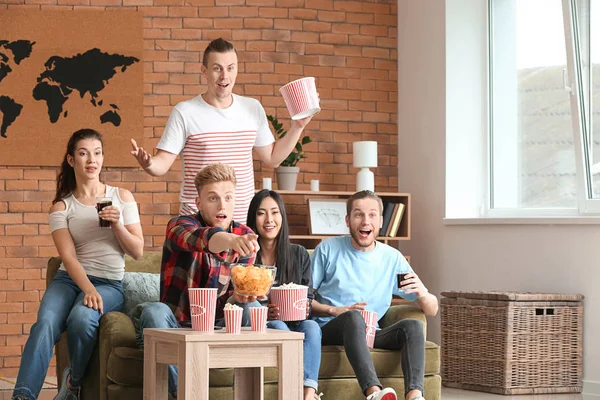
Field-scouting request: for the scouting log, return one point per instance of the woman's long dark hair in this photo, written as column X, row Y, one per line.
column 283, row 254
column 65, row 183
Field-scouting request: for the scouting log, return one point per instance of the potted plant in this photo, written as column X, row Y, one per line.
column 287, row 172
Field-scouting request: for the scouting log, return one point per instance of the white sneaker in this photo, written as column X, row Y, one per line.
column 385, row 394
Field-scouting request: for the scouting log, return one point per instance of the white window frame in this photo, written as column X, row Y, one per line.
column 577, row 37
column 581, row 125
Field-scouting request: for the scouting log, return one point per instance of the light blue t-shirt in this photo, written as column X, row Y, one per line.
column 343, row 275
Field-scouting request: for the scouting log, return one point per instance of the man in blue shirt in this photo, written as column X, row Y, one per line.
column 353, row 273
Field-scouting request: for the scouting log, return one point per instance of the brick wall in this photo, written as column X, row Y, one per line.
column 349, row 46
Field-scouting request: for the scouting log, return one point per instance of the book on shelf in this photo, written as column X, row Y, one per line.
column 396, row 219
column 388, row 209
column 389, row 227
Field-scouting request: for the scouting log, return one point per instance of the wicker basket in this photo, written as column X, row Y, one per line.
column 512, row 343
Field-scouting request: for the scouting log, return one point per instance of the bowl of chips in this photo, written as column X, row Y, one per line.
column 252, row 279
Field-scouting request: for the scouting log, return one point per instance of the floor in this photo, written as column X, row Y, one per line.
column 456, row 394
column 49, row 391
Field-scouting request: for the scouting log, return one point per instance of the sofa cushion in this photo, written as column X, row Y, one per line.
column 139, row 287
column 149, row 262
column 334, row 362
column 125, row 366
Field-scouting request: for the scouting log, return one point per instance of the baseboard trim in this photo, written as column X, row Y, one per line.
column 591, row 390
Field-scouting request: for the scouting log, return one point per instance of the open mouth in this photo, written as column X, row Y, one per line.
column 268, row 228
column 223, row 85
column 364, row 233
column 221, row 217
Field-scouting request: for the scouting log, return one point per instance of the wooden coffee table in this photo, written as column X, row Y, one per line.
column 248, row 353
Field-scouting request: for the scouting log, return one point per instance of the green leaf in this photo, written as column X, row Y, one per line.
column 297, row 153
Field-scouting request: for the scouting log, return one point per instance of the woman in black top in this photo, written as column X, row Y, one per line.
column 268, row 219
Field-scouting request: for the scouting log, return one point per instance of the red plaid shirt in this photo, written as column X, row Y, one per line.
column 187, row 263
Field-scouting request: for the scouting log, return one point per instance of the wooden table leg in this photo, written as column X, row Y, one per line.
column 290, row 371
column 193, row 371
column 248, row 383
column 155, row 375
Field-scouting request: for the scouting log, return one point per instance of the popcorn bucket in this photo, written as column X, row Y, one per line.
column 258, row 318
column 371, row 321
column 292, row 302
column 203, row 303
column 233, row 320
column 301, row 98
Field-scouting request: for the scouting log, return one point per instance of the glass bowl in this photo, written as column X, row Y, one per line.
column 252, row 279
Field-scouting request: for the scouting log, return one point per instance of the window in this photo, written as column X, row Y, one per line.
column 544, row 149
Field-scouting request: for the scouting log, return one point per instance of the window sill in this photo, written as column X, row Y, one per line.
column 571, row 220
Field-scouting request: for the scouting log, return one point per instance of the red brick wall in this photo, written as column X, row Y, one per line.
column 349, row 46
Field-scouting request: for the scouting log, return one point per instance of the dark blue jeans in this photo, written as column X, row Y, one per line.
column 62, row 309
column 311, row 345
column 349, row 329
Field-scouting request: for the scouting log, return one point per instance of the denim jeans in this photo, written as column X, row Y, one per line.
column 311, row 346
column 62, row 309
column 349, row 329
column 159, row 315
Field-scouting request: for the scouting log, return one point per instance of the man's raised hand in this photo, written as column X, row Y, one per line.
column 142, row 156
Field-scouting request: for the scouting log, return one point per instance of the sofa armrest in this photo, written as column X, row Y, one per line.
column 400, row 312
column 116, row 330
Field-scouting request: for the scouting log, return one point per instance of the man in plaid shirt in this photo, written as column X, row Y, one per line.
column 196, row 254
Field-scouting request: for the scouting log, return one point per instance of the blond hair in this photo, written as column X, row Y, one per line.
column 363, row 194
column 214, row 173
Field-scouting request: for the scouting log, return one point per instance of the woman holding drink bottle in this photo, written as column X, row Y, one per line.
column 88, row 282
column 268, row 219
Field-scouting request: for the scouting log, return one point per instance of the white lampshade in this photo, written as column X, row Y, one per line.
column 365, row 154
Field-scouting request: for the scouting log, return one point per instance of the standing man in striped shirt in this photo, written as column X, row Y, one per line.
column 218, row 126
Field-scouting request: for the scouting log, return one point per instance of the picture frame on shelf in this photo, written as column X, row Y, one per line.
column 327, row 217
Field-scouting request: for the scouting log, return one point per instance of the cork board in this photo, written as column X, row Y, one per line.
column 63, row 70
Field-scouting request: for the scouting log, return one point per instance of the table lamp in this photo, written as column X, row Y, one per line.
column 365, row 157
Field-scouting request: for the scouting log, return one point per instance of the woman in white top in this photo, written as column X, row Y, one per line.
column 88, row 282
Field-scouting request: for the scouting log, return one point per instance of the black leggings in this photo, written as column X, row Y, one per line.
column 349, row 329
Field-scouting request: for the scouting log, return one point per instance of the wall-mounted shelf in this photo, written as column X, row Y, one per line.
column 296, row 202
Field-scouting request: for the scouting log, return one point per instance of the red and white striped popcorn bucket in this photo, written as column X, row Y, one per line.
column 203, row 303
column 233, row 320
column 371, row 321
column 292, row 303
column 301, row 98
column 258, row 318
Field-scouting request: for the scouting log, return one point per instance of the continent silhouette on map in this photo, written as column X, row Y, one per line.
column 111, row 116
column 20, row 50
column 10, row 111
column 11, row 52
column 87, row 72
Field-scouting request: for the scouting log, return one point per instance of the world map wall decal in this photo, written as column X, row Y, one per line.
column 61, row 71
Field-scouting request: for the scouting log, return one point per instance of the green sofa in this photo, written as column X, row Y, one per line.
column 115, row 371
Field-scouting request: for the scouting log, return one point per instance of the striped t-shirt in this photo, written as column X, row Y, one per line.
column 205, row 135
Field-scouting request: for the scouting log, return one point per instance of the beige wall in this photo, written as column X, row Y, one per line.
column 560, row 258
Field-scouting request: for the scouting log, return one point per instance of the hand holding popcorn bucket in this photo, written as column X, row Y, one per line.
column 301, row 98
column 371, row 321
column 291, row 300
column 203, row 303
